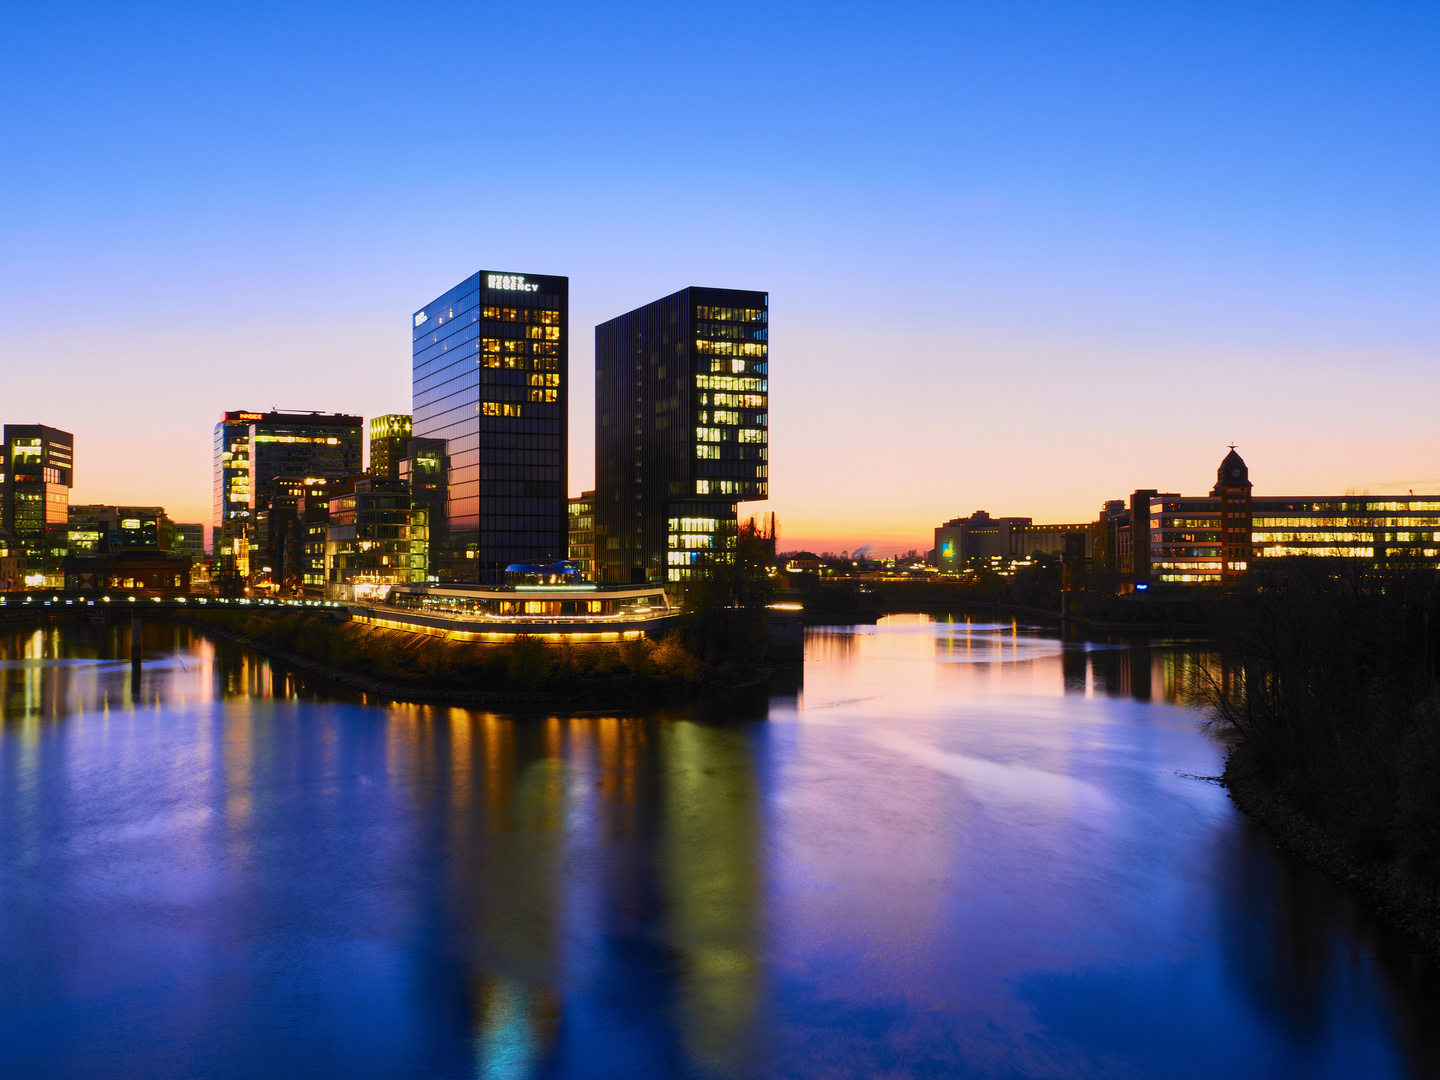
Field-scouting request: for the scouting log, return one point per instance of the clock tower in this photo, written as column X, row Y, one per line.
column 1232, row 488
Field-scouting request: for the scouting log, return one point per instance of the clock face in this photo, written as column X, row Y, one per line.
column 1234, row 472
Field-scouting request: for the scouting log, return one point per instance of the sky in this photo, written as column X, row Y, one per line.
column 1021, row 257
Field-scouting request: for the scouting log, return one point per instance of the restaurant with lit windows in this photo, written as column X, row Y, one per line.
column 681, row 430
column 490, row 385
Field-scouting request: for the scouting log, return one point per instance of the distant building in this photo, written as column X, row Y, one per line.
column 190, row 540
column 980, row 540
column 368, row 540
column 490, row 383
column 36, row 475
column 389, row 439
column 582, row 534
column 681, row 430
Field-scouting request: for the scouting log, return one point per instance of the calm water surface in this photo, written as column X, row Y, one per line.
column 950, row 849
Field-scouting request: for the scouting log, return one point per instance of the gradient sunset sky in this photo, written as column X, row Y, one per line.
column 1022, row 257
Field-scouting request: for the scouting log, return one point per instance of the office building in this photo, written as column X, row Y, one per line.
column 254, row 450
column 681, row 430
column 490, row 377
column 983, row 542
column 36, row 475
column 368, row 540
column 1215, row 539
column 582, row 534
column 389, row 440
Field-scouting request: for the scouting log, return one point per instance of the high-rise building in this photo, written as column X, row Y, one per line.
column 389, row 438
column 36, row 475
column 254, row 450
column 490, row 377
column 582, row 534
column 681, row 430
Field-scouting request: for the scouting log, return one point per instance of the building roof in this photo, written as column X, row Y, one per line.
column 1233, row 472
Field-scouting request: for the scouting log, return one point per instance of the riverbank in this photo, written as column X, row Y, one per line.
column 520, row 675
column 1380, row 885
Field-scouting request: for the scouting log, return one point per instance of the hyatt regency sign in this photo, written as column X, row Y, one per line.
column 510, row 283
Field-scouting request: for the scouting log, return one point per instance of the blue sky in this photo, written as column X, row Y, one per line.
column 1022, row 257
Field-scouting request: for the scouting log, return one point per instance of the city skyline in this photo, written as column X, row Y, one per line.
column 975, row 304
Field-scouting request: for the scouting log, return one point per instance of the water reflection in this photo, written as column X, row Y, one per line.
column 950, row 848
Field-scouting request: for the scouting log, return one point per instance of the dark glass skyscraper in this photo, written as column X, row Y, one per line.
column 681, row 429
column 490, row 377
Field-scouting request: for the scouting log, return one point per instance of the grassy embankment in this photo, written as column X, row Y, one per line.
column 1327, row 693
column 416, row 666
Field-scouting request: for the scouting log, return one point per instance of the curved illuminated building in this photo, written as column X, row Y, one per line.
column 490, row 382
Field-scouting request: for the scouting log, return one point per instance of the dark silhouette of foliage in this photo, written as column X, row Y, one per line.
column 1327, row 691
column 726, row 604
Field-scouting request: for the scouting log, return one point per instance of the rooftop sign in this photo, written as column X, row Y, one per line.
column 510, row 283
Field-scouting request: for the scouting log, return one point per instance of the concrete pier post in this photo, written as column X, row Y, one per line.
column 135, row 639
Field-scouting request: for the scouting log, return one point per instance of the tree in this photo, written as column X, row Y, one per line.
column 726, row 603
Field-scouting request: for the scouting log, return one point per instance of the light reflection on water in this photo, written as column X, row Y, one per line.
column 951, row 849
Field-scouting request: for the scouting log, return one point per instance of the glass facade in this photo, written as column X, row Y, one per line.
column 490, row 379
column 681, row 430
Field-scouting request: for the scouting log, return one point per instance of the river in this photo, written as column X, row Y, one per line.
column 951, row 849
